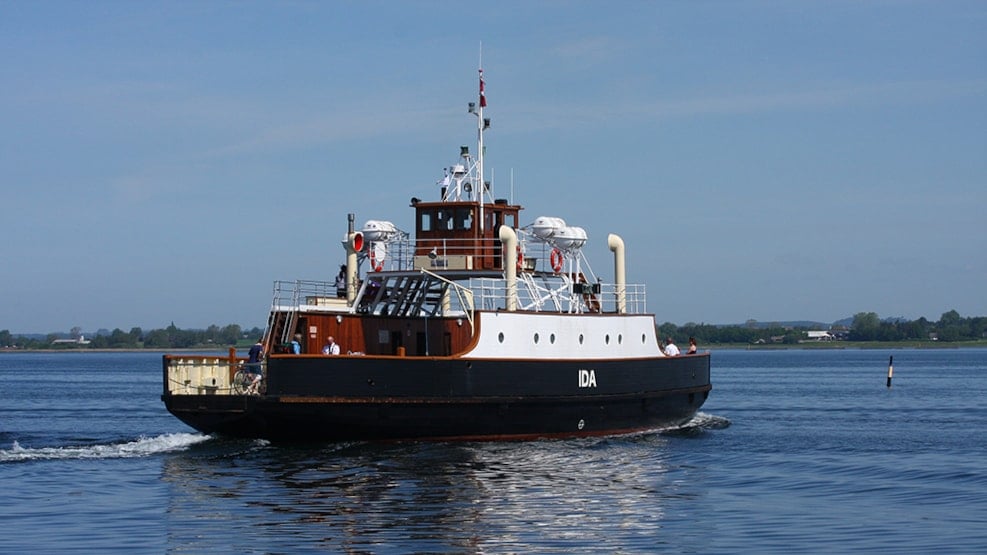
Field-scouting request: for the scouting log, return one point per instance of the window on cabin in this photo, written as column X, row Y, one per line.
column 464, row 218
column 443, row 220
column 425, row 222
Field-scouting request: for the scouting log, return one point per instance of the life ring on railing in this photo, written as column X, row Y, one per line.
column 556, row 259
column 377, row 263
column 520, row 258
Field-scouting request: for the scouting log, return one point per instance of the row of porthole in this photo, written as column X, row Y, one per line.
column 551, row 338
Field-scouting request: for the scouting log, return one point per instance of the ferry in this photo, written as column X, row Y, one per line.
column 474, row 324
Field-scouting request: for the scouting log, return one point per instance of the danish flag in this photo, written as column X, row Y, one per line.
column 483, row 98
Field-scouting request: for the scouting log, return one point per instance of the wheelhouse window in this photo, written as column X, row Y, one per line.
column 448, row 219
column 464, row 218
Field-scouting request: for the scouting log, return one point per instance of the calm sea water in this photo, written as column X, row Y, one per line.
column 794, row 451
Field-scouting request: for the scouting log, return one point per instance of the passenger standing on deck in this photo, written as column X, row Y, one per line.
column 670, row 348
column 692, row 346
column 341, row 283
column 255, row 354
column 331, row 347
column 254, row 357
column 296, row 344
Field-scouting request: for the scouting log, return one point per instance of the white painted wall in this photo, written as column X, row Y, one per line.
column 512, row 335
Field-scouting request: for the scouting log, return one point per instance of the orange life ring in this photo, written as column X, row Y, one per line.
column 520, row 258
column 374, row 263
column 556, row 260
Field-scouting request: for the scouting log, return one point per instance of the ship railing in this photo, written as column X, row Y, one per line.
column 491, row 294
column 405, row 254
column 463, row 299
column 540, row 292
column 203, row 374
column 294, row 294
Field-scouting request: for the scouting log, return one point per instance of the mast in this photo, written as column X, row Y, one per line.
column 480, row 126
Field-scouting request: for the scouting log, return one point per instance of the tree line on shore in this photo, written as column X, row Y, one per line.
column 171, row 337
column 866, row 326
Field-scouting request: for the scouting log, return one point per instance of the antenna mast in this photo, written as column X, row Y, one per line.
column 482, row 123
column 480, row 126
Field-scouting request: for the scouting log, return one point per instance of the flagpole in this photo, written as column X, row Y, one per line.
column 479, row 133
column 479, row 146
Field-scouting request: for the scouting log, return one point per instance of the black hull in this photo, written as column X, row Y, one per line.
column 392, row 398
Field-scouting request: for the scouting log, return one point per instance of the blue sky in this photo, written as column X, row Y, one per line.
column 167, row 161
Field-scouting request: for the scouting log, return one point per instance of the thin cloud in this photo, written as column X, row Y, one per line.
column 304, row 131
column 901, row 93
column 590, row 51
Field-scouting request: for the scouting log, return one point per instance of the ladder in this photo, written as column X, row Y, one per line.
column 281, row 323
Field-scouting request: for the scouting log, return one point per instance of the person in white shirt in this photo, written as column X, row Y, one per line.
column 331, row 347
column 670, row 349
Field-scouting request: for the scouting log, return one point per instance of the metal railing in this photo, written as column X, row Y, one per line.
column 490, row 294
column 553, row 294
column 202, row 374
column 569, row 287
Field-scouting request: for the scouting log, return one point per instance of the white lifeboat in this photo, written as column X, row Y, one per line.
column 378, row 230
column 546, row 227
column 570, row 238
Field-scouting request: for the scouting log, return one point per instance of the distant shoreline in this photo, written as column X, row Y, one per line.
column 862, row 345
column 223, row 352
column 821, row 345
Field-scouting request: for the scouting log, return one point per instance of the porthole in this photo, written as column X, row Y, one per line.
column 580, row 339
column 620, row 339
column 644, row 339
column 536, row 339
column 551, row 339
column 607, row 339
column 500, row 337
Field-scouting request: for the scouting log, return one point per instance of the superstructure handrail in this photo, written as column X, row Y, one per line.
column 403, row 253
column 463, row 294
column 473, row 293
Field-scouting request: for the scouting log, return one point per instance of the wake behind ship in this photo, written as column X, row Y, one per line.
column 475, row 328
